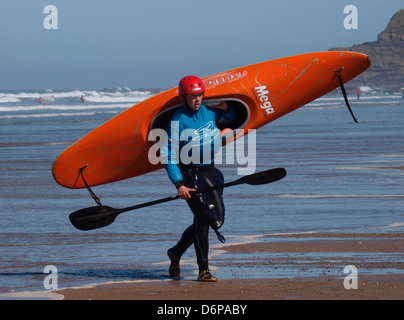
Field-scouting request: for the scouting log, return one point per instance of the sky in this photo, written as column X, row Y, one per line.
column 153, row 43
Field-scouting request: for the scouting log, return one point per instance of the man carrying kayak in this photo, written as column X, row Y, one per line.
column 194, row 128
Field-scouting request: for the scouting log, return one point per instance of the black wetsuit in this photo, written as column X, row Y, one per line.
column 208, row 210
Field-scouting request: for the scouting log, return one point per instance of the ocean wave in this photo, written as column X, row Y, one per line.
column 340, row 103
column 5, row 99
column 55, row 115
column 393, row 225
column 48, row 115
column 63, row 107
column 108, row 96
column 362, row 97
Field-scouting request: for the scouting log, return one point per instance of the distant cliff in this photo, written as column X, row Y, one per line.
column 387, row 55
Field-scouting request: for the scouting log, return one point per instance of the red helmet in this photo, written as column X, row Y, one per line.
column 191, row 84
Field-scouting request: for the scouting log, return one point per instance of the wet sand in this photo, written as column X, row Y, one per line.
column 375, row 287
column 378, row 278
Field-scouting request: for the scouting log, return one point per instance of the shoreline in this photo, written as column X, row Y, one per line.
column 377, row 257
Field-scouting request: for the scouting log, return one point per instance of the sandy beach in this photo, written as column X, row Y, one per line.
column 375, row 287
column 377, row 279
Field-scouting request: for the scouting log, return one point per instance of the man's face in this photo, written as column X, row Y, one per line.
column 194, row 100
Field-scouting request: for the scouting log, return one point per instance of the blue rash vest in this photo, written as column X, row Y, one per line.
column 193, row 138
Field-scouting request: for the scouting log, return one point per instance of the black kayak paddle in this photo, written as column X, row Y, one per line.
column 102, row 216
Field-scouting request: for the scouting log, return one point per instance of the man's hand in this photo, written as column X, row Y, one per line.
column 184, row 192
column 221, row 106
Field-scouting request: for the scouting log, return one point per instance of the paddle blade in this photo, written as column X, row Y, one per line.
column 93, row 217
column 264, row 177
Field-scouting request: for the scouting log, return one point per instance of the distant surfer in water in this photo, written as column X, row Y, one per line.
column 198, row 124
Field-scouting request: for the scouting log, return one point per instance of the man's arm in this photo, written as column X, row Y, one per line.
column 224, row 114
column 170, row 152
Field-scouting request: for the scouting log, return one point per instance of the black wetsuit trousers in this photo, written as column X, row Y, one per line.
column 207, row 208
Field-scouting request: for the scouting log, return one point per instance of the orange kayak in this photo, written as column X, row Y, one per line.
column 259, row 93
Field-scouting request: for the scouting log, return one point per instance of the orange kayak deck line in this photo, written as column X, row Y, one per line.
column 259, row 93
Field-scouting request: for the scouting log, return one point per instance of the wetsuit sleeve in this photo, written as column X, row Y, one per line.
column 170, row 152
column 173, row 172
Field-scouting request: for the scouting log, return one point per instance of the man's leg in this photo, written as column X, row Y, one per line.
column 175, row 253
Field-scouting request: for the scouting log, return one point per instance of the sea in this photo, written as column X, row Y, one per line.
column 342, row 177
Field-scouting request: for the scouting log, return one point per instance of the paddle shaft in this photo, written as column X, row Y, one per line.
column 167, row 199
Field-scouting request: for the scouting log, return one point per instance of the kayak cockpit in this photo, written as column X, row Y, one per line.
column 240, row 108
